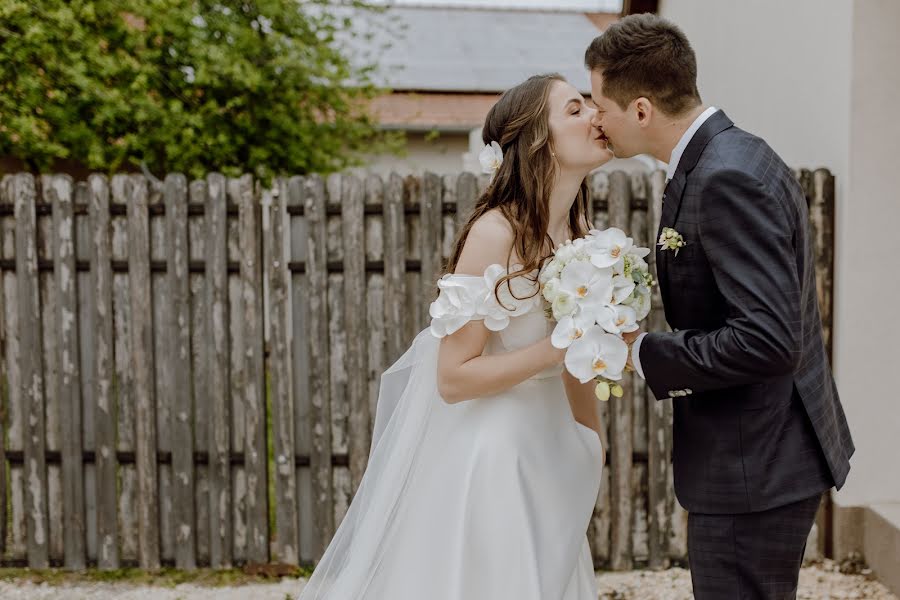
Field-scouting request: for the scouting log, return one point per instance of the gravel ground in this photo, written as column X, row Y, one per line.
column 817, row 582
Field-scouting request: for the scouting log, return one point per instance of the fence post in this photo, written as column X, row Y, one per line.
column 317, row 273
column 142, row 366
column 218, row 396
column 58, row 190
column 353, row 234
column 178, row 358
column 30, row 376
column 621, row 412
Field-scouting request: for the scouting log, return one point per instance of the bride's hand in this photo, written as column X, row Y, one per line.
column 554, row 354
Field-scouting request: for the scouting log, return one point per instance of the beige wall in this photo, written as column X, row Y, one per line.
column 779, row 69
column 441, row 155
column 868, row 334
column 818, row 79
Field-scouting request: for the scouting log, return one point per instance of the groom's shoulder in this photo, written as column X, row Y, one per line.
column 736, row 140
column 738, row 150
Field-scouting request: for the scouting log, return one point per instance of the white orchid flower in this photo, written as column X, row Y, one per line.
column 566, row 252
column 551, row 290
column 569, row 329
column 490, row 158
column 639, row 252
column 640, row 302
column 618, row 319
column 608, row 247
column 588, row 284
column 563, row 305
column 596, row 354
column 622, row 287
column 550, row 270
column 633, row 261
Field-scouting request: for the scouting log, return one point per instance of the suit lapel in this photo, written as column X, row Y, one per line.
column 671, row 197
column 674, row 191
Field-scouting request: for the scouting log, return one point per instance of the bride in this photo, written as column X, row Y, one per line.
column 486, row 457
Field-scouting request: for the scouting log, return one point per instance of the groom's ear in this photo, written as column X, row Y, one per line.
column 643, row 111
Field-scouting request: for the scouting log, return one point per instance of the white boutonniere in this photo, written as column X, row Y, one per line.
column 670, row 239
column 490, row 158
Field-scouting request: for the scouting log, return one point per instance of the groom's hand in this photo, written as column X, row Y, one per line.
column 629, row 338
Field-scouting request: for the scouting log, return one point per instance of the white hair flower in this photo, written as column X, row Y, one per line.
column 490, row 158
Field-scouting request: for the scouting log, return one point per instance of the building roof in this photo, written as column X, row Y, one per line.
column 475, row 50
column 429, row 111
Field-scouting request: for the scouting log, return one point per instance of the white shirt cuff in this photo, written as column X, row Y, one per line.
column 635, row 355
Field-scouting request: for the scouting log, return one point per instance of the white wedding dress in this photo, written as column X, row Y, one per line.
column 483, row 499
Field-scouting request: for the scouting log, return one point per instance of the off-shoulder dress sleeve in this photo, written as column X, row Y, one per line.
column 464, row 298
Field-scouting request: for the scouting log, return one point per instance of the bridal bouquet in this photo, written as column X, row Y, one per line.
column 596, row 288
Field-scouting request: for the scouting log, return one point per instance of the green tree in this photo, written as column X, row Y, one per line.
column 260, row 86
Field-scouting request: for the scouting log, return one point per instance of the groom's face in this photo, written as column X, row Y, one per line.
column 621, row 127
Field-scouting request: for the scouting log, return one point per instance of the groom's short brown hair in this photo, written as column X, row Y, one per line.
column 646, row 55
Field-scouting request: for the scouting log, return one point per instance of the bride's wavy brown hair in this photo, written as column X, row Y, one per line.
column 520, row 190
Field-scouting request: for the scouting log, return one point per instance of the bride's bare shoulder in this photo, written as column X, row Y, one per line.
column 489, row 241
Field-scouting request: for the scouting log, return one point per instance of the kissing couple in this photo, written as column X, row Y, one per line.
column 486, row 455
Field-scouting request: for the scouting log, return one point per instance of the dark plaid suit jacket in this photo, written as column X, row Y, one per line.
column 757, row 418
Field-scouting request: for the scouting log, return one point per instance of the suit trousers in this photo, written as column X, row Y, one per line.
column 751, row 556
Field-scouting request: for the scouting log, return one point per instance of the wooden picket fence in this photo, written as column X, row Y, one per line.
column 189, row 369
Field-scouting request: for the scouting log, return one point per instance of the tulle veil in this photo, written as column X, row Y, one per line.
column 407, row 398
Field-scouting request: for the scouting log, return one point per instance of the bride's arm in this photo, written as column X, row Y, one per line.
column 463, row 373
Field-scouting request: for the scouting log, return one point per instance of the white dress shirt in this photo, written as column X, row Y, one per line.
column 670, row 172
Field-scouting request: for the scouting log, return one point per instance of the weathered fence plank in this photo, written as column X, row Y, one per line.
column 466, row 195
column 217, row 389
column 320, row 413
column 127, row 521
column 430, row 239
column 337, row 347
column 276, row 257
column 821, row 218
column 104, row 393
column 87, row 341
column 31, row 378
column 620, row 416
column 178, row 361
column 394, row 268
column 637, row 229
column 142, row 366
column 376, row 345
column 601, row 521
column 4, row 375
column 196, row 226
column 297, row 232
column 659, row 438
column 354, row 296
column 254, row 394
column 49, row 313
column 413, row 313
column 59, row 192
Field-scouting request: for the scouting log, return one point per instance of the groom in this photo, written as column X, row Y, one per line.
column 759, row 431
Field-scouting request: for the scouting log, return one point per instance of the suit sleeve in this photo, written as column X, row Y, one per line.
column 748, row 239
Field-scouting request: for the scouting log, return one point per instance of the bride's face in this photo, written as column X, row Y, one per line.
column 577, row 143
